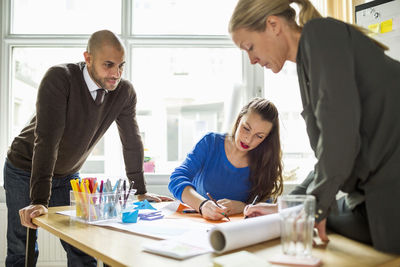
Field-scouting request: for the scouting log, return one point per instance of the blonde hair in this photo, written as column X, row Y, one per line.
column 252, row 15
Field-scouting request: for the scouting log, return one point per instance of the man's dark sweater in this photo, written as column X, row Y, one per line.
column 67, row 126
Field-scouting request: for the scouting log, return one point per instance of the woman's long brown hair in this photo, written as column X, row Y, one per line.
column 265, row 160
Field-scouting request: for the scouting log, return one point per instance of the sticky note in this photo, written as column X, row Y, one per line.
column 387, row 26
column 374, row 27
column 144, row 205
column 130, row 216
column 182, row 207
column 240, row 259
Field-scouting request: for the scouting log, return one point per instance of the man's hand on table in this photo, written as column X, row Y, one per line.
column 28, row 213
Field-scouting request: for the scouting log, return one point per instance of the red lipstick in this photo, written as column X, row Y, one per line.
column 244, row 145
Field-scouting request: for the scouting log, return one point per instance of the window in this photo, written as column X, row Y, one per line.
column 189, row 77
column 29, row 64
column 192, row 85
column 283, row 90
column 184, row 73
column 189, row 17
column 64, row 16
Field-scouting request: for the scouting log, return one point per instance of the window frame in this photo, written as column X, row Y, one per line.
column 252, row 75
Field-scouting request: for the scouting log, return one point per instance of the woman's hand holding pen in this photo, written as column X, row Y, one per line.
column 211, row 211
column 232, row 206
column 260, row 209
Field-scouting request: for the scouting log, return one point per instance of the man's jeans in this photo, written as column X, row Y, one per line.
column 17, row 186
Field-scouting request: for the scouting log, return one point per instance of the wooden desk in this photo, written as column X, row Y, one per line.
column 118, row 248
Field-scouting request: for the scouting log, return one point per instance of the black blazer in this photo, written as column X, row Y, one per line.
column 350, row 92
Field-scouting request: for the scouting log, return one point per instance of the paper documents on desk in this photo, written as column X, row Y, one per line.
column 163, row 229
column 220, row 238
column 233, row 235
column 189, row 244
column 187, row 238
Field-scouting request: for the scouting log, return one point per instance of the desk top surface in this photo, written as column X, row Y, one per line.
column 118, row 248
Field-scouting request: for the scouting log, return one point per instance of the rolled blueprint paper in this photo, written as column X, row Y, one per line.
column 233, row 235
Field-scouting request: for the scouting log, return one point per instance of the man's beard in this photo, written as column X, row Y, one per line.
column 102, row 82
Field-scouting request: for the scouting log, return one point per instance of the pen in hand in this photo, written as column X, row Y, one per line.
column 189, row 211
column 216, row 203
column 252, row 203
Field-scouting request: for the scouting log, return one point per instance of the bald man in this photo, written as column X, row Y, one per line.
column 76, row 104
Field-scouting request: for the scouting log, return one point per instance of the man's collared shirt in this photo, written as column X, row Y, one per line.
column 91, row 84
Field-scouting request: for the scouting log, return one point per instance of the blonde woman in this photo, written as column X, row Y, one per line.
column 350, row 92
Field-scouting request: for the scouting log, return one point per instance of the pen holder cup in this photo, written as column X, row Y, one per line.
column 100, row 206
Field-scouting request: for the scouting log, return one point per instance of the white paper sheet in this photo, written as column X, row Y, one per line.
column 222, row 237
column 162, row 229
column 189, row 244
column 229, row 236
